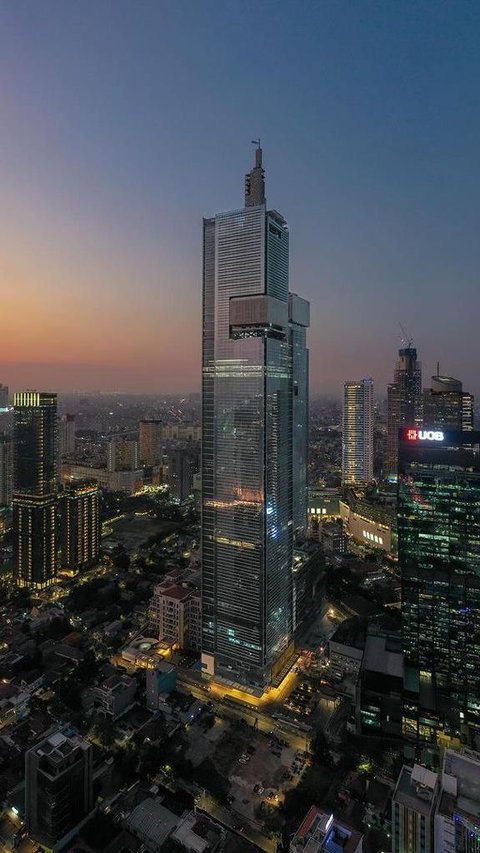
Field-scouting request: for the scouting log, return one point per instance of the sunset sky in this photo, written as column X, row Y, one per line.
column 123, row 123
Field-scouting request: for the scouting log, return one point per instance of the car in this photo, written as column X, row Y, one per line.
column 256, row 788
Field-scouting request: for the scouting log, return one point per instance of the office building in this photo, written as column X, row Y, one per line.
column 113, row 697
column 3, row 396
column 79, row 525
column 182, row 465
column 34, row 488
column 438, row 813
column 439, row 559
column 67, row 436
column 357, row 437
column 150, row 439
column 6, row 455
column 299, row 321
column 58, row 785
column 404, row 403
column 122, row 454
column 249, row 440
column 457, row 816
column 446, row 404
column 413, row 809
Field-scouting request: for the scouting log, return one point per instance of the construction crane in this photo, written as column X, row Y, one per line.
column 406, row 338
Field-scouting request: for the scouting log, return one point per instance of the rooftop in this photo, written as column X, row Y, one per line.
column 319, row 831
column 416, row 789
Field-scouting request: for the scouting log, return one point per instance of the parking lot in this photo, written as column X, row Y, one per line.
column 258, row 766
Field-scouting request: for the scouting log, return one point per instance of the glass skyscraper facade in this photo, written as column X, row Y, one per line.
column 439, row 557
column 254, row 436
column 357, row 434
column 404, row 403
column 34, row 488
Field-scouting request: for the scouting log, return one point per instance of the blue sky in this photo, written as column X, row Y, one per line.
column 126, row 122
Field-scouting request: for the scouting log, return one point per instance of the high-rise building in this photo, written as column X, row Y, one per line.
column 34, row 488
column 3, row 396
column 446, row 404
column 58, row 785
column 122, row 454
column 413, row 807
column 457, row 817
column 67, row 435
column 299, row 321
column 357, row 438
column 404, row 403
column 182, row 465
column 438, row 813
column 439, row 559
column 6, row 455
column 248, row 439
column 79, row 525
column 150, row 441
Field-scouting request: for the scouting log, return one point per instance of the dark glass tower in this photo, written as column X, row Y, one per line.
column 446, row 404
column 404, row 402
column 34, row 488
column 254, row 368
column 439, row 557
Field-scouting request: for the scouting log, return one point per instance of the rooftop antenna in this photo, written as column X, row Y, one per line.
column 256, row 142
column 406, row 338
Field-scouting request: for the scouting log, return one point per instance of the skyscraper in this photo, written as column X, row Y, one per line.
column 182, row 464
column 58, row 784
column 3, row 396
column 357, row 436
column 67, row 435
column 35, row 484
column 6, row 455
column 439, row 558
column 446, row 404
column 254, row 370
column 404, row 403
column 150, row 441
column 79, row 525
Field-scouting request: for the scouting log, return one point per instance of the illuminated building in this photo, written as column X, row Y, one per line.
column 67, row 435
column 439, row 558
column 122, row 454
column 35, row 485
column 457, row 816
column 413, row 807
column 150, row 441
column 79, row 525
column 321, row 832
column 6, row 455
column 175, row 612
column 253, row 434
column 357, row 436
column 446, row 404
column 58, row 785
column 404, row 403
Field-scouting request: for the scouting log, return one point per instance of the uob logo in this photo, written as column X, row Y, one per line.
column 425, row 435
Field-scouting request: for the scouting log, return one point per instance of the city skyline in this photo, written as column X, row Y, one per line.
column 103, row 198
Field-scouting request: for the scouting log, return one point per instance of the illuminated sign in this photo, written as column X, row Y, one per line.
column 424, row 435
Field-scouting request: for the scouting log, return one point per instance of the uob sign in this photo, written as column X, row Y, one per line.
column 425, row 435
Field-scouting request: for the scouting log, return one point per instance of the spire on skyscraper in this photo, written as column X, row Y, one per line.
column 255, row 180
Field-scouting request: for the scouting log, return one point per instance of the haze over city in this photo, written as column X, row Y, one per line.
column 121, row 131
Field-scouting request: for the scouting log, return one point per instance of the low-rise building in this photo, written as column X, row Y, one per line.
column 370, row 524
column 321, row 831
column 160, row 682
column 114, row 697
